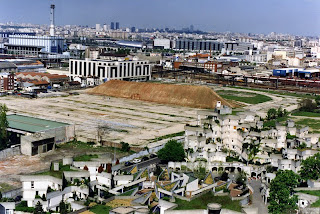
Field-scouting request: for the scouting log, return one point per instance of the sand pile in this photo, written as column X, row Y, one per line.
column 183, row 95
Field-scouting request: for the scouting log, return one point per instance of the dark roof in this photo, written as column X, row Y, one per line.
column 5, row 64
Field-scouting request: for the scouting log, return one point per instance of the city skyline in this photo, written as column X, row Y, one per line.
column 298, row 17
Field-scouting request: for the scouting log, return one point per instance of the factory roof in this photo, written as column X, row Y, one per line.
column 32, row 124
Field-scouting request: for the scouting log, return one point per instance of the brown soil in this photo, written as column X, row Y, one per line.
column 182, row 95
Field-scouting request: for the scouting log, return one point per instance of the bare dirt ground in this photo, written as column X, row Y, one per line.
column 131, row 121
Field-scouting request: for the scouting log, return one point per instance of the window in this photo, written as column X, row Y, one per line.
column 32, row 184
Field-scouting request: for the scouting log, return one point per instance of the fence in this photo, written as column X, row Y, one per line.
column 10, row 152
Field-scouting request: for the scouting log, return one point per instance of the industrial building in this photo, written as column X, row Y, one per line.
column 296, row 72
column 36, row 136
column 34, row 45
column 110, row 70
column 201, row 45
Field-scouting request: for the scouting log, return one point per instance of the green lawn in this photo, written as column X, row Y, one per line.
column 89, row 147
column 306, row 114
column 316, row 193
column 292, row 94
column 100, row 209
column 246, row 97
column 85, row 157
column 313, row 124
column 202, row 201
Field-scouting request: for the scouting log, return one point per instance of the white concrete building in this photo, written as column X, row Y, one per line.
column 110, row 70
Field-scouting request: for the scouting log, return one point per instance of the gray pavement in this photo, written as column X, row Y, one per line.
column 257, row 200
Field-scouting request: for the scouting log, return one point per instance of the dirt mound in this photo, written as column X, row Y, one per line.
column 183, row 95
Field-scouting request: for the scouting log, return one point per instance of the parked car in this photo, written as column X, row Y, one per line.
column 128, row 163
column 153, row 156
column 136, row 160
column 145, row 158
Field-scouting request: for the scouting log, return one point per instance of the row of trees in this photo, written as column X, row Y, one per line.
column 282, row 198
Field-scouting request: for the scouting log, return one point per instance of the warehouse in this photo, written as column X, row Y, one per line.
column 36, row 136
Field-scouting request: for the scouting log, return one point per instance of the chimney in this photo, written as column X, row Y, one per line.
column 52, row 19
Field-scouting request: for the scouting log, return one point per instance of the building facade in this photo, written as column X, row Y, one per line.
column 110, row 70
column 33, row 45
column 203, row 45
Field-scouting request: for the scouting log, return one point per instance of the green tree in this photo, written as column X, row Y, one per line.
column 310, row 167
column 38, row 208
column 281, row 197
column 307, row 105
column 3, row 127
column 272, row 114
column 63, row 208
column 317, row 99
column 241, row 178
column 172, row 151
column 125, row 147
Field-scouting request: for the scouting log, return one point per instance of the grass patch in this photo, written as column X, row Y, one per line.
column 316, row 193
column 57, row 174
column 246, row 97
column 100, row 209
column 127, row 193
column 85, row 157
column 202, row 201
column 168, row 136
column 285, row 93
column 4, row 187
column 89, row 147
column 306, row 114
column 313, row 124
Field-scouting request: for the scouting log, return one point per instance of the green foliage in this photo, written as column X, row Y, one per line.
column 310, row 167
column 125, row 147
column 302, row 146
column 224, row 176
column 272, row 114
column 3, row 126
column 281, row 197
column 38, row 208
column 63, row 208
column 172, row 151
column 85, row 157
column 241, row 178
column 307, row 105
column 100, row 209
column 23, row 207
column 202, row 201
column 290, row 137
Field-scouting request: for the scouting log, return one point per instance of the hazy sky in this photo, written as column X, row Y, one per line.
column 300, row 17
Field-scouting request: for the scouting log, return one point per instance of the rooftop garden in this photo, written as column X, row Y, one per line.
column 57, row 174
column 313, row 192
column 100, row 209
column 202, row 201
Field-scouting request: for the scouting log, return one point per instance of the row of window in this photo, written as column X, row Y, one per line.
column 122, row 71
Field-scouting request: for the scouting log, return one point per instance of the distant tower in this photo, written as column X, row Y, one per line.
column 117, row 25
column 112, row 26
column 52, row 20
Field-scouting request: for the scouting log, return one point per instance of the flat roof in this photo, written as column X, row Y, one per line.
column 32, row 124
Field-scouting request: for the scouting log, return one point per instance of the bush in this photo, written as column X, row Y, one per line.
column 172, row 151
column 125, row 147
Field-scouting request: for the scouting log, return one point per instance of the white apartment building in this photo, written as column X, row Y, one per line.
column 37, row 185
column 110, row 70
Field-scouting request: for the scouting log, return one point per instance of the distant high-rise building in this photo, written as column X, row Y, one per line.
column 133, row 29
column 105, row 27
column 112, row 26
column 98, row 27
column 297, row 43
column 117, row 26
column 191, row 28
column 52, row 7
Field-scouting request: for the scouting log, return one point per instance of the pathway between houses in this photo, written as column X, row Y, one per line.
column 257, row 200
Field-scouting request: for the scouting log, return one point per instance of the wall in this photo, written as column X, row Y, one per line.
column 10, row 152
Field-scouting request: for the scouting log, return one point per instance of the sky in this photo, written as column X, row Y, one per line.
column 298, row 17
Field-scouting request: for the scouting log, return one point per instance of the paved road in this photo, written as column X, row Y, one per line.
column 257, row 198
column 142, row 164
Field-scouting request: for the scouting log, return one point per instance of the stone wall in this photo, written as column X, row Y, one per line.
column 10, row 152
